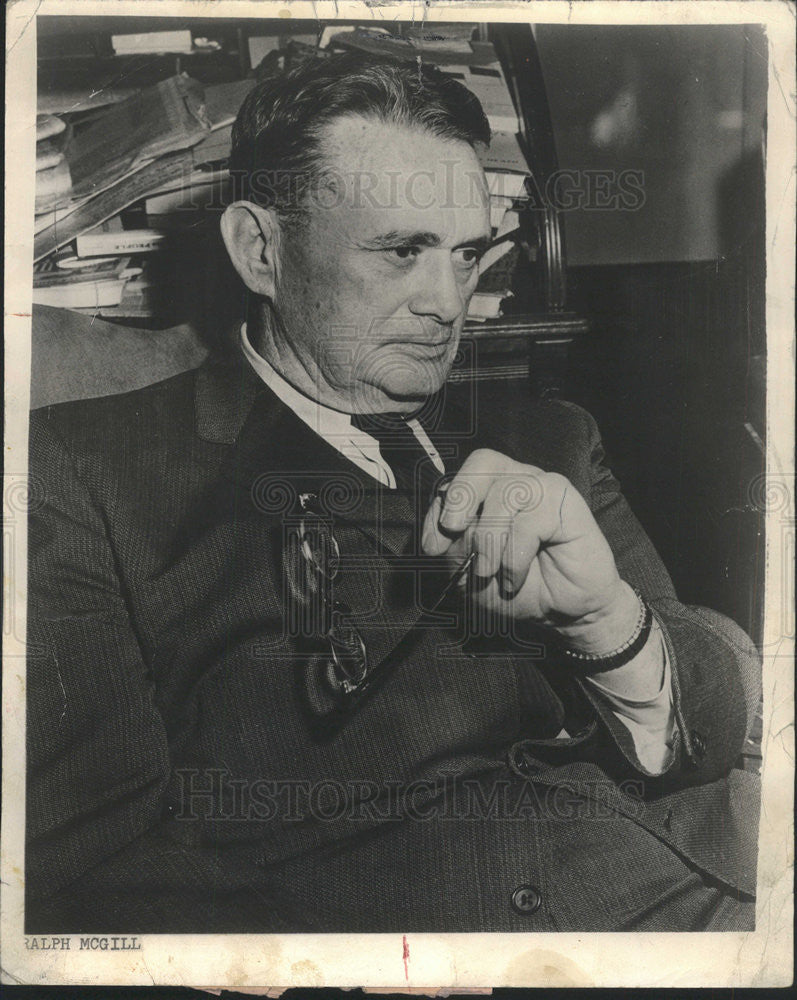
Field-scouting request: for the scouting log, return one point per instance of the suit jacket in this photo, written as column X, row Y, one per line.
column 190, row 768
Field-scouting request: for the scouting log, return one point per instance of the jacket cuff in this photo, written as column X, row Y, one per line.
column 713, row 664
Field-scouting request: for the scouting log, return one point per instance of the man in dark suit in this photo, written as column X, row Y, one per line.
column 283, row 675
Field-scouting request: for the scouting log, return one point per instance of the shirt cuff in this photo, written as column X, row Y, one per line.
column 651, row 722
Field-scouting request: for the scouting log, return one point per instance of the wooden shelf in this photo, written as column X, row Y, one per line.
column 540, row 327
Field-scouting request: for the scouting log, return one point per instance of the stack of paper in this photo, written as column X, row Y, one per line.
column 93, row 285
column 53, row 178
column 507, row 172
column 496, row 270
column 454, row 38
column 489, row 84
column 81, row 99
column 152, row 42
column 182, row 141
column 438, row 44
column 156, row 120
column 110, row 155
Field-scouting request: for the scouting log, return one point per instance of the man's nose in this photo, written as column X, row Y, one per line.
column 438, row 293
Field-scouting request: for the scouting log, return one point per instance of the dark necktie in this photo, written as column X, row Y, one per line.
column 414, row 470
column 417, row 476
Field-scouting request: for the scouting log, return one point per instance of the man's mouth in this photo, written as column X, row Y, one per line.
column 437, row 347
column 434, row 343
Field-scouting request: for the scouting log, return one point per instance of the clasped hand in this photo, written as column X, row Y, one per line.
column 540, row 555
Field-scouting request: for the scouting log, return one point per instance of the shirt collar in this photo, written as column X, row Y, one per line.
column 320, row 418
column 332, row 425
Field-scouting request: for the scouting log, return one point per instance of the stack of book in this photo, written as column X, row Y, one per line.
column 53, row 178
column 507, row 172
column 163, row 151
column 71, row 282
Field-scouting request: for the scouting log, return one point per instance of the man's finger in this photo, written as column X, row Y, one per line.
column 433, row 541
column 556, row 513
column 516, row 490
column 491, row 530
column 520, row 551
column 468, row 489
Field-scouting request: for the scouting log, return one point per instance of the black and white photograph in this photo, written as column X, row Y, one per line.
column 400, row 525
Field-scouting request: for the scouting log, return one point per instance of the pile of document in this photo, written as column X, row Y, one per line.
column 71, row 282
column 53, row 178
column 170, row 141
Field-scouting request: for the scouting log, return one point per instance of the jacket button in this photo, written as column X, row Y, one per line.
column 526, row 899
column 698, row 743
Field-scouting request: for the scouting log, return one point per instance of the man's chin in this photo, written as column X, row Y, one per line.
column 414, row 391
column 402, row 382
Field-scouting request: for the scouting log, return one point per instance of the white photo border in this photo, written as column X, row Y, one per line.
column 277, row 962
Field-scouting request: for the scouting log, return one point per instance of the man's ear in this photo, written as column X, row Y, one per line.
column 251, row 235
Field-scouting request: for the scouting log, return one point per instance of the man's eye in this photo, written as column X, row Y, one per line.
column 407, row 253
column 467, row 256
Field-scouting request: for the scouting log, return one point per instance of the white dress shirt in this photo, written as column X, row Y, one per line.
column 651, row 722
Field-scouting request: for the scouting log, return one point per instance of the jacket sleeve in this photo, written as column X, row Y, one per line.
column 715, row 667
column 97, row 751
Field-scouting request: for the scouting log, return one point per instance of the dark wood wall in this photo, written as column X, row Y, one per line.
column 674, row 366
column 673, row 371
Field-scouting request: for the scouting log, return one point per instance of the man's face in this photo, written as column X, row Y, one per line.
column 372, row 290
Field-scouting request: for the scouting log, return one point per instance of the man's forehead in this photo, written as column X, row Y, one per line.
column 372, row 165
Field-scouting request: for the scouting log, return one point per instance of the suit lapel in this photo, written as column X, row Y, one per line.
column 224, row 391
